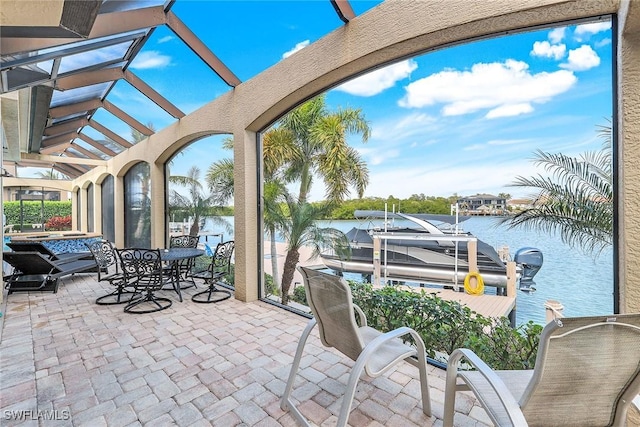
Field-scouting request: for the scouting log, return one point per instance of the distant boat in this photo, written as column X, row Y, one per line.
column 434, row 250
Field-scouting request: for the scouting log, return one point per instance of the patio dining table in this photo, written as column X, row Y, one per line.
column 174, row 255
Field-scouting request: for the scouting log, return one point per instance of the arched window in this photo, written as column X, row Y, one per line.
column 137, row 206
column 90, row 209
column 79, row 208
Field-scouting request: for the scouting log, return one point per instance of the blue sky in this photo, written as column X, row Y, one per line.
column 463, row 120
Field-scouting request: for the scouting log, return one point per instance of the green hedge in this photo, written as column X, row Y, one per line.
column 33, row 211
column 446, row 325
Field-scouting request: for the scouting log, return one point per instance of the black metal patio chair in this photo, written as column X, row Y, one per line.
column 219, row 266
column 143, row 268
column 182, row 268
column 108, row 264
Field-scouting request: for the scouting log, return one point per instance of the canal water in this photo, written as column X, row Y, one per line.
column 581, row 282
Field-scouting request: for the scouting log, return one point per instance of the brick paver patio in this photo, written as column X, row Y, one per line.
column 225, row 364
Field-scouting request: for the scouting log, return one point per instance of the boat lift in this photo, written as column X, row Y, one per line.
column 380, row 276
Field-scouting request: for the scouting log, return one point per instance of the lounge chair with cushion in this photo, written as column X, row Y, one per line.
column 373, row 352
column 36, row 246
column 33, row 271
column 587, row 373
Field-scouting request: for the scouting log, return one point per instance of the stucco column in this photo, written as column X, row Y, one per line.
column 158, row 214
column 629, row 170
column 246, row 221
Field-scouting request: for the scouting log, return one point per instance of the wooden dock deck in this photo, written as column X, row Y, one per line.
column 486, row 305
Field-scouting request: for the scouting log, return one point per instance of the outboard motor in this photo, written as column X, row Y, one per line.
column 530, row 261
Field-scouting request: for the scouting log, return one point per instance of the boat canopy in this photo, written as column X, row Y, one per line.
column 448, row 219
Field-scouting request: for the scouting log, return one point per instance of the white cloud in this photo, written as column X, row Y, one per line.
column 398, row 129
column 474, row 147
column 510, row 110
column 547, row 50
column 603, row 42
column 377, row 157
column 376, row 81
column 165, row 39
column 582, row 58
column 503, row 88
column 495, row 143
column 589, row 29
column 150, row 59
column 557, row 35
column 296, row 48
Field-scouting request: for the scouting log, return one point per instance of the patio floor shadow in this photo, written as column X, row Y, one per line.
column 66, row 361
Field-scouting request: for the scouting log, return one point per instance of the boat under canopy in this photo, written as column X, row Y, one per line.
column 427, row 253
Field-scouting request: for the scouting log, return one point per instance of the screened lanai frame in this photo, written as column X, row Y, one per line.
column 75, row 77
column 439, row 33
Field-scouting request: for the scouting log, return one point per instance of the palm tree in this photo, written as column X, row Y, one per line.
column 576, row 199
column 143, row 227
column 308, row 141
column 137, row 136
column 298, row 224
column 277, row 147
column 219, row 179
column 321, row 138
column 196, row 204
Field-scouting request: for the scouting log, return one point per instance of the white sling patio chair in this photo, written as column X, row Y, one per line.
column 329, row 298
column 587, row 373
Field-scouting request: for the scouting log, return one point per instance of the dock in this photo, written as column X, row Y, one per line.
column 487, row 305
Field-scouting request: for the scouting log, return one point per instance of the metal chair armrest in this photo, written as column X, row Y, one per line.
column 506, row 398
column 361, row 316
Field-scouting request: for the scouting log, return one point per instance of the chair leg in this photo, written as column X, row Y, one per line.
column 359, row 367
column 350, row 392
column 424, row 385
column 450, row 391
column 285, row 402
column 147, row 296
column 119, row 294
column 220, row 294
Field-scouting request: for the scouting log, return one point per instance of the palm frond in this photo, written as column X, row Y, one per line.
column 220, row 180
column 574, row 200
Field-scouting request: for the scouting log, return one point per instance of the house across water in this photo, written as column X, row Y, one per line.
column 483, row 204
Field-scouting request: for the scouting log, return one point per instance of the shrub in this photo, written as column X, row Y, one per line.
column 299, row 295
column 270, row 287
column 447, row 325
column 58, row 223
column 32, row 211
